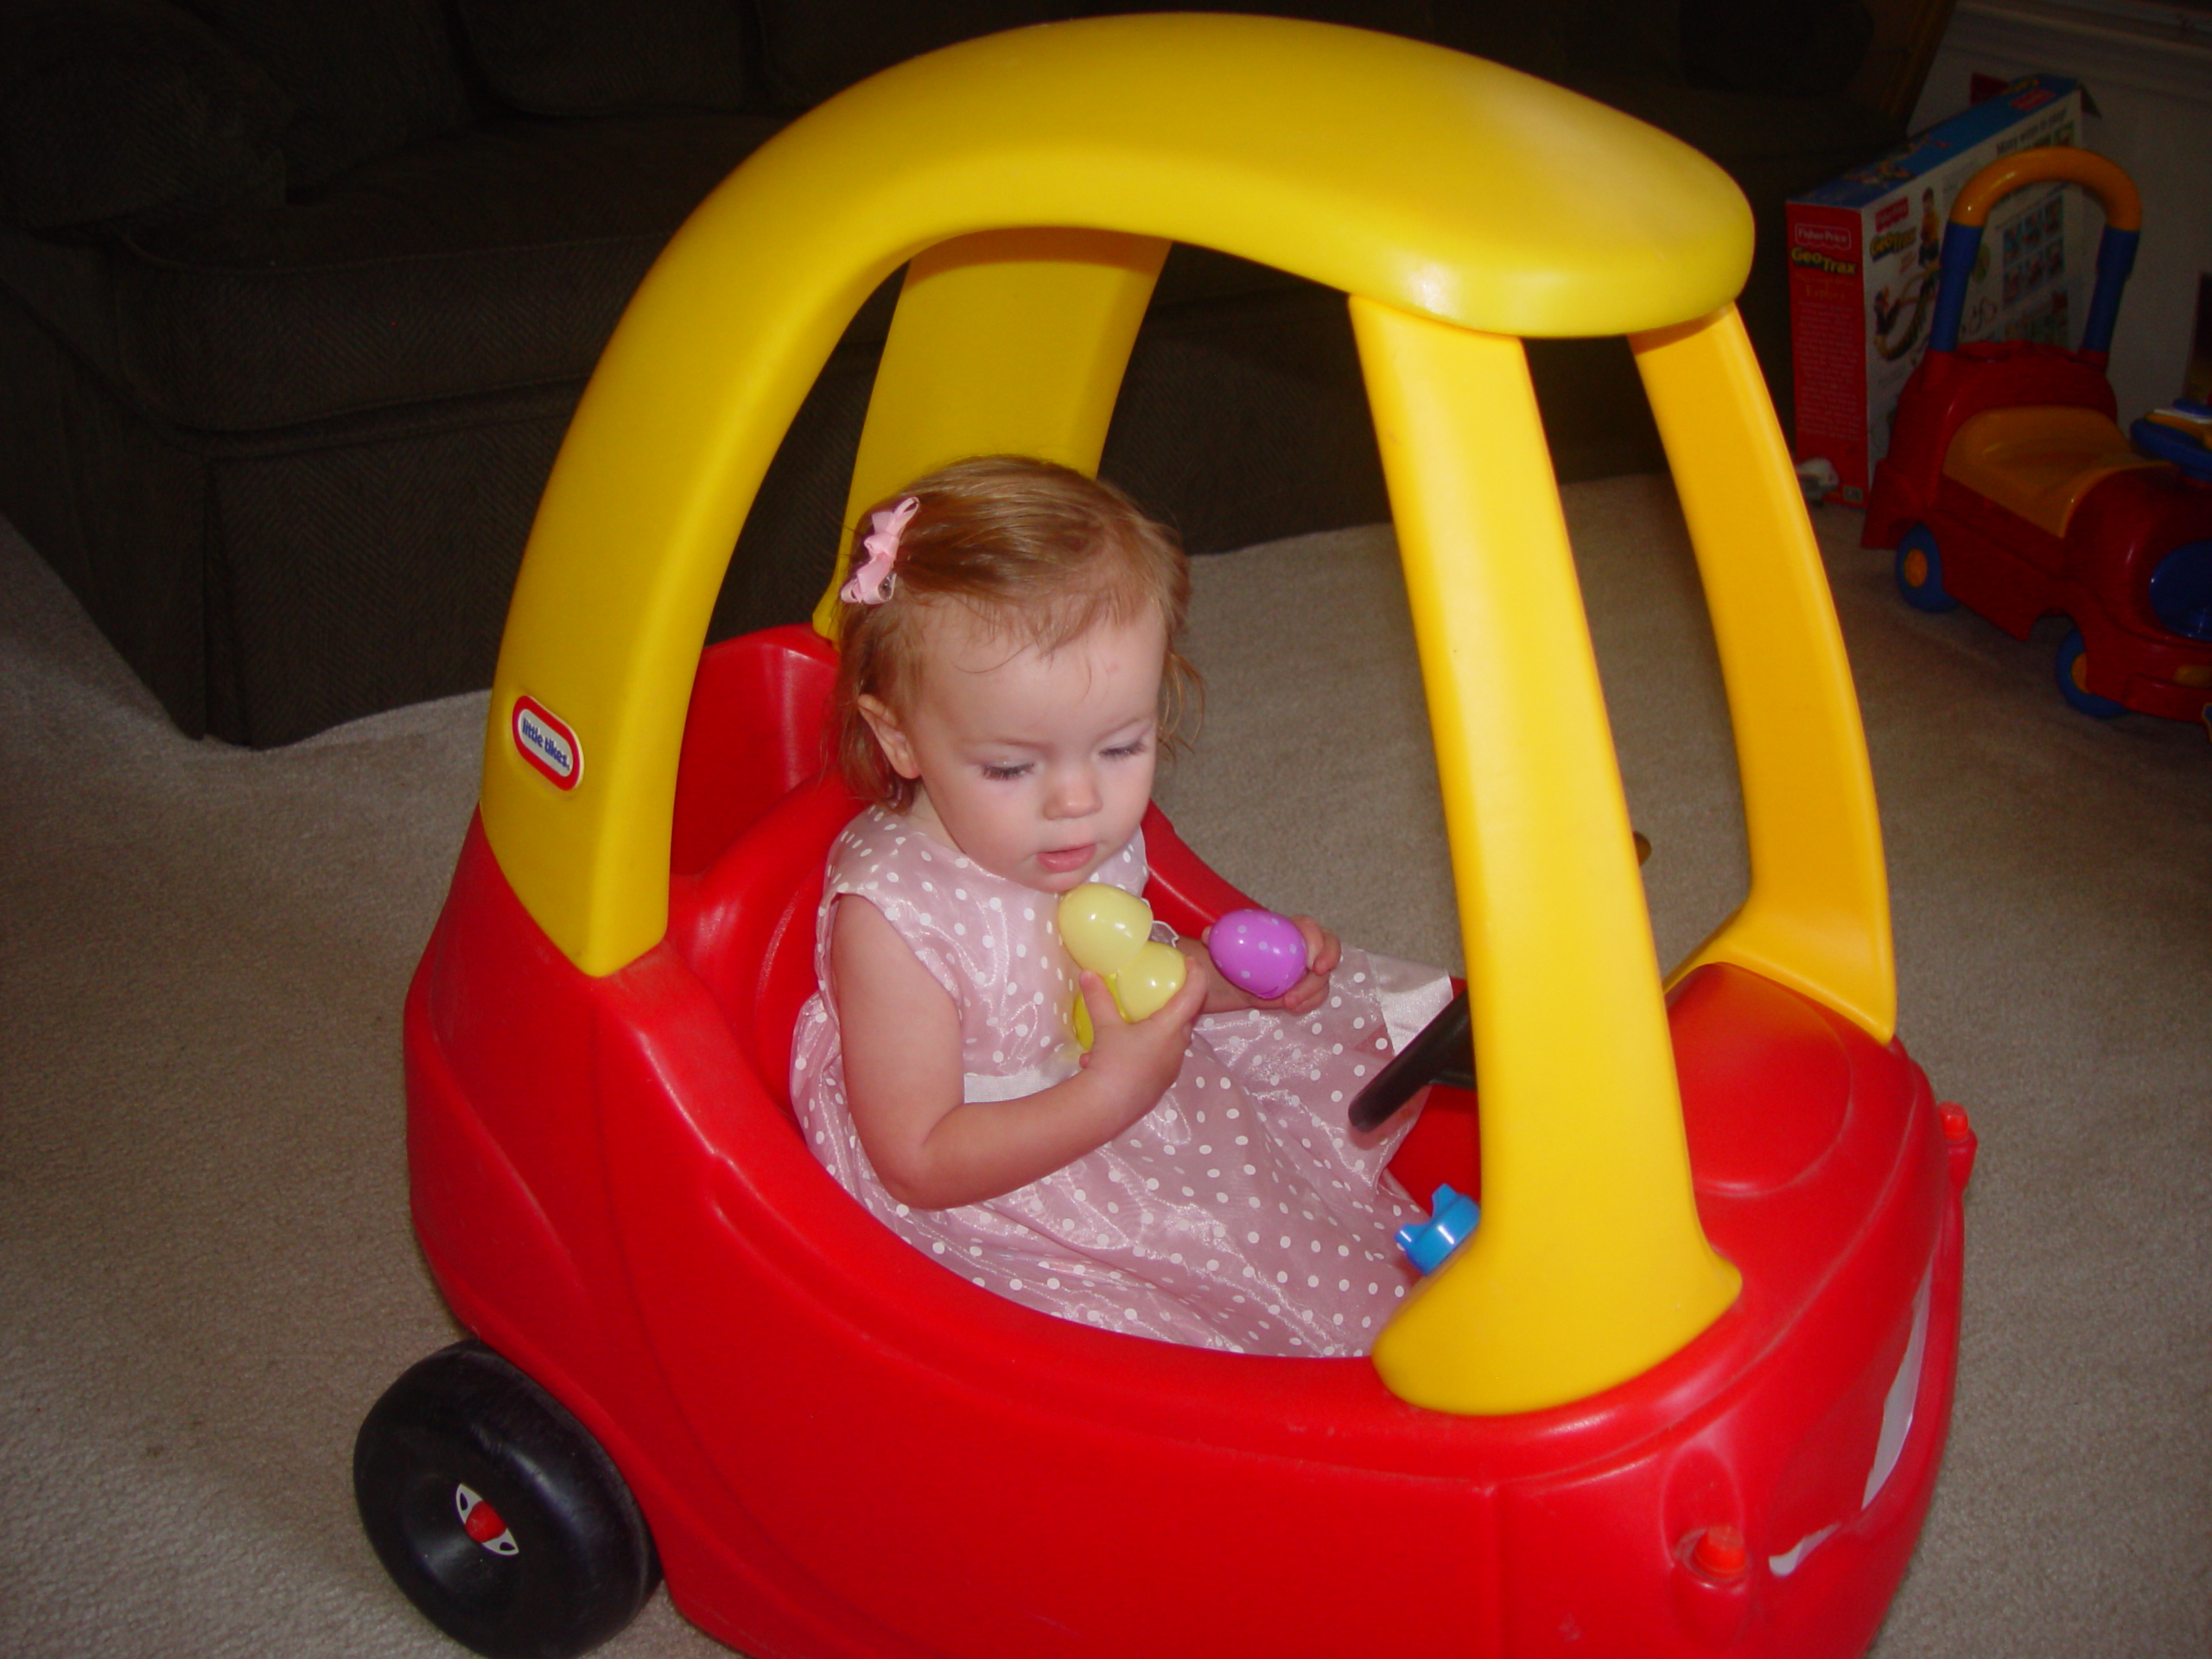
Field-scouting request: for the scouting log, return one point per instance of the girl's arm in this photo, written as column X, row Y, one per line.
column 900, row 1035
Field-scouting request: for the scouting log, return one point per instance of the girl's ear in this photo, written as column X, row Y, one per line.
column 889, row 736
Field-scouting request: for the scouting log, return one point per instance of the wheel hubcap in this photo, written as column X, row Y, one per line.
column 482, row 1522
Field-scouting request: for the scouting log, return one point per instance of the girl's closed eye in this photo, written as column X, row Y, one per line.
column 1007, row 771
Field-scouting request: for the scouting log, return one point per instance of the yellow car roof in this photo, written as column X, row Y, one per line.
column 1031, row 183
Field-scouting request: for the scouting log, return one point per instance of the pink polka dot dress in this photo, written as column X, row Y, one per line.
column 1237, row 1214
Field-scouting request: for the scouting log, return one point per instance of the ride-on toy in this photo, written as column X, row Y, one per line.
column 2010, row 489
column 1686, row 1387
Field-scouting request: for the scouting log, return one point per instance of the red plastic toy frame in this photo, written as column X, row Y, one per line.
column 843, row 1449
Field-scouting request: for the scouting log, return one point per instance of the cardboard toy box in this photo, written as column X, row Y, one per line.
column 1863, row 270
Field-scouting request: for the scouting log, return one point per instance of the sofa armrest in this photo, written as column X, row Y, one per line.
column 112, row 108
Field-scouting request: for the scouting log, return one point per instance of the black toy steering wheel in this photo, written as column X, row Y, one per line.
column 1443, row 1052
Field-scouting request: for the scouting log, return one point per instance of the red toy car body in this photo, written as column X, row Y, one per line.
column 841, row 1448
column 2010, row 489
column 1685, row 1389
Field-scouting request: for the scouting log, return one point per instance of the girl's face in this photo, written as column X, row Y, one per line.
column 1036, row 766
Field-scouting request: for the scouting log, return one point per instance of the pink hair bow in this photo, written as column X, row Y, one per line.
column 871, row 583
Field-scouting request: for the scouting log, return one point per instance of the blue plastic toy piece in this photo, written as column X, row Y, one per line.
column 2186, row 446
column 2071, row 651
column 2181, row 589
column 1452, row 1219
column 1920, row 571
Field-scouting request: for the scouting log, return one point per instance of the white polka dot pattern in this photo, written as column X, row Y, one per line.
column 1124, row 1239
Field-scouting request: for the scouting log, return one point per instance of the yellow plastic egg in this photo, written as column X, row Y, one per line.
column 1103, row 927
column 1153, row 975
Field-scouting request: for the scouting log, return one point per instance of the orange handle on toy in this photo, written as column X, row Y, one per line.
column 2103, row 178
column 2112, row 188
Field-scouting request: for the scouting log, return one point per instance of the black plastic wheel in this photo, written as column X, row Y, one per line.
column 496, row 1513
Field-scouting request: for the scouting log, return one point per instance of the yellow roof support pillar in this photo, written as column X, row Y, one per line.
column 1590, row 1265
column 1009, row 342
column 1818, row 915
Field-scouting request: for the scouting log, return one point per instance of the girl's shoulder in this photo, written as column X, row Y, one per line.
column 880, row 852
column 876, row 847
column 872, row 836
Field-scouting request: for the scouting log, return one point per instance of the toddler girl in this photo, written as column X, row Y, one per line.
column 1008, row 676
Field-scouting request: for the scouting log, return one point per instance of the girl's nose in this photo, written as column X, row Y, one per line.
column 1075, row 794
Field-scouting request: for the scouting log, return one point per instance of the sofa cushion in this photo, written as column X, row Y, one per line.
column 367, row 76
column 609, row 57
column 815, row 50
column 494, row 258
column 114, row 107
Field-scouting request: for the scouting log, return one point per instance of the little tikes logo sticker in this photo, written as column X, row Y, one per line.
column 546, row 741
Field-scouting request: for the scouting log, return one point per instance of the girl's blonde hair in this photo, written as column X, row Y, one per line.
column 1040, row 554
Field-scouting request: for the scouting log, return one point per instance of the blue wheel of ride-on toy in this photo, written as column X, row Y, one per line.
column 2072, row 668
column 1920, row 571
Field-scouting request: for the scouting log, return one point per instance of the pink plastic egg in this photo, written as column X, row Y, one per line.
column 1258, row 951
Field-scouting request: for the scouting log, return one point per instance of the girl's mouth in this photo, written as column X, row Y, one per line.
column 1062, row 860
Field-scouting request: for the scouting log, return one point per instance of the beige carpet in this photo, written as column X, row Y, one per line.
column 206, row 1272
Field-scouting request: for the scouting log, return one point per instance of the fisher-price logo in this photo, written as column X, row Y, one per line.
column 1891, row 214
column 1825, row 238
column 544, row 740
column 1830, row 248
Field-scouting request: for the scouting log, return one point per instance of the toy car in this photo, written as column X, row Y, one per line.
column 1685, row 1389
column 2010, row 489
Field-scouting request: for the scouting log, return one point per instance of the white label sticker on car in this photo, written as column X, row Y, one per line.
column 548, row 742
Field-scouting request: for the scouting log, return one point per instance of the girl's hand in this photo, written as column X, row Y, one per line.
column 1323, row 952
column 1138, row 1060
column 930, row 1148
